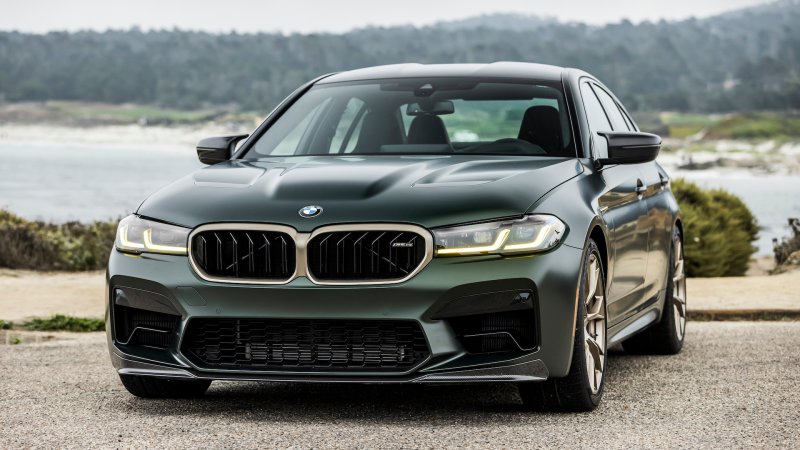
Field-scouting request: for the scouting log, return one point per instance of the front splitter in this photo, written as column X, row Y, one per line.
column 522, row 369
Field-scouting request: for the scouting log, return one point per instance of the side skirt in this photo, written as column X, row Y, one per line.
column 637, row 322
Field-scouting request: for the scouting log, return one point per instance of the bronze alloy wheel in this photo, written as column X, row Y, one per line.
column 582, row 388
column 678, row 288
column 595, row 324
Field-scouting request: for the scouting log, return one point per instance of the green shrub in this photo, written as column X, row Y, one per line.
column 43, row 246
column 6, row 325
column 61, row 322
column 719, row 231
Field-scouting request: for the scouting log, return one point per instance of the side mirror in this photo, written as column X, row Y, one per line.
column 630, row 147
column 217, row 149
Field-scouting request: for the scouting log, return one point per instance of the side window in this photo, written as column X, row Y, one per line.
column 628, row 119
column 346, row 134
column 598, row 121
column 610, row 106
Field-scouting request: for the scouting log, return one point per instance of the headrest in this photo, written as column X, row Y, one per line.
column 427, row 129
column 541, row 125
column 377, row 130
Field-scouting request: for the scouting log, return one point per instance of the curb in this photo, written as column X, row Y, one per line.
column 708, row 315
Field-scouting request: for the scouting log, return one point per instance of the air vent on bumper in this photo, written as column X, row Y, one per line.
column 133, row 326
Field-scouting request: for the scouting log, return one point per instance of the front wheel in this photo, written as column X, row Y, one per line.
column 582, row 388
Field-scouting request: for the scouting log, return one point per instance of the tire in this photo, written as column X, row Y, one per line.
column 666, row 337
column 152, row 387
column 576, row 392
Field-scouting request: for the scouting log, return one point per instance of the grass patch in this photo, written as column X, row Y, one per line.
column 45, row 246
column 751, row 126
column 682, row 125
column 129, row 113
column 757, row 126
column 6, row 325
column 60, row 322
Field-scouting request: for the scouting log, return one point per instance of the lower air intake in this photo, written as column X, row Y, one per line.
column 496, row 332
column 297, row 345
column 133, row 326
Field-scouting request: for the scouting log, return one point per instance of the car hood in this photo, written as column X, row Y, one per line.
column 427, row 190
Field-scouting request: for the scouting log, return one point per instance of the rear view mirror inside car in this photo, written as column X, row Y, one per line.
column 435, row 108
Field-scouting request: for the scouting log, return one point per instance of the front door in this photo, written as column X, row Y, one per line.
column 625, row 213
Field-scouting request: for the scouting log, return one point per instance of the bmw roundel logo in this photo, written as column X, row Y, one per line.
column 310, row 211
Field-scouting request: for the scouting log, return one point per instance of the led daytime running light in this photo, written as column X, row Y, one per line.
column 501, row 238
column 149, row 245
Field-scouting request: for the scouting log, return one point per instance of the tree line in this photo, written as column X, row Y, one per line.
column 739, row 61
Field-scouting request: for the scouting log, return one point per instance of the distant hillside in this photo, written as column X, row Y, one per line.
column 738, row 61
column 503, row 21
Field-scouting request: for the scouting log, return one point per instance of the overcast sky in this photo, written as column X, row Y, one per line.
column 326, row 15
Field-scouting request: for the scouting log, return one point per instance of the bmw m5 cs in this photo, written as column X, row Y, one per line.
column 408, row 224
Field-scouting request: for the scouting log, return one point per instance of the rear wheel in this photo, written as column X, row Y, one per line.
column 152, row 387
column 666, row 337
column 582, row 388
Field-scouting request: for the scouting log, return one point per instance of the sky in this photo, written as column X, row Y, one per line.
column 247, row 16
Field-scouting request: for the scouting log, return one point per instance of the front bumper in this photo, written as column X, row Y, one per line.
column 553, row 277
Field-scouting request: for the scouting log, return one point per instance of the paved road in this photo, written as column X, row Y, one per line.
column 735, row 384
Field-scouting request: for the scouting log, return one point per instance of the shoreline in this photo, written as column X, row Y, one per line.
column 753, row 170
column 764, row 156
column 155, row 137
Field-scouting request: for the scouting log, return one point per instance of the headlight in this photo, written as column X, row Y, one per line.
column 137, row 235
column 535, row 233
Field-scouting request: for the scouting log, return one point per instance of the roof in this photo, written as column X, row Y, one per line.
column 541, row 72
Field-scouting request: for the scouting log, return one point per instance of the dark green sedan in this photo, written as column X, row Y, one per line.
column 408, row 224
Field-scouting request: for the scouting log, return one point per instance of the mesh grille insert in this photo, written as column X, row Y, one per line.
column 279, row 344
column 496, row 332
column 365, row 255
column 133, row 326
column 266, row 255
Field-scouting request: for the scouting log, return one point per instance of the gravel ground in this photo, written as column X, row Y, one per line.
column 734, row 385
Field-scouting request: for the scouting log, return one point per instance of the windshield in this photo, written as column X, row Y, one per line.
column 422, row 117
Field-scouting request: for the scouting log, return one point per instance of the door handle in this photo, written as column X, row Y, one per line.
column 663, row 181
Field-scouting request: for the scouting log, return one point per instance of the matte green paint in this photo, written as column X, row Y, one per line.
column 430, row 191
column 555, row 274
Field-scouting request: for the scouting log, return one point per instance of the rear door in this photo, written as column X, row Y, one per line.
column 623, row 208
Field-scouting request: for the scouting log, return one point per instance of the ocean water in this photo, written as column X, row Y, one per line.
column 73, row 182
column 61, row 183
column 773, row 198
